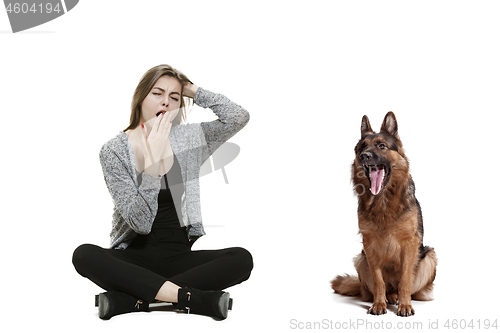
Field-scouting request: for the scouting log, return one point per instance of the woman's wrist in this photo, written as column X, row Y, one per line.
column 153, row 169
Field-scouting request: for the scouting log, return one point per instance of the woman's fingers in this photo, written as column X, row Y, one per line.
column 155, row 144
column 165, row 125
column 156, row 123
column 145, row 146
column 189, row 90
column 144, row 137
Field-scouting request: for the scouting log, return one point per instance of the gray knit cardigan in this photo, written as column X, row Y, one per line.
column 135, row 196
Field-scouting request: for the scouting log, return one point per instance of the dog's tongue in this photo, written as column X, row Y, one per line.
column 377, row 177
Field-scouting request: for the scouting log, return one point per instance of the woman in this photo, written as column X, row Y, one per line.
column 151, row 170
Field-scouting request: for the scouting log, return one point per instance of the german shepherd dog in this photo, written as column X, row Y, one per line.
column 393, row 267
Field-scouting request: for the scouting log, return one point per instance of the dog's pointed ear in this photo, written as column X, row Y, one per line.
column 390, row 125
column 365, row 127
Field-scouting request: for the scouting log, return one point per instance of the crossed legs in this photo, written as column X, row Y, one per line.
column 141, row 274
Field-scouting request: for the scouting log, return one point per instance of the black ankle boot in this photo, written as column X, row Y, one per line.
column 113, row 303
column 208, row 303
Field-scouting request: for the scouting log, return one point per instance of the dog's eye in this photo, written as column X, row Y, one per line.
column 382, row 146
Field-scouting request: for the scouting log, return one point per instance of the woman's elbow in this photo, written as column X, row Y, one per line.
column 243, row 118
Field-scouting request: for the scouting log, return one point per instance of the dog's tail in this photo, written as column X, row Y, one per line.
column 347, row 285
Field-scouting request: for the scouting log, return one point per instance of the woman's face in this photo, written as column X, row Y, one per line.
column 164, row 96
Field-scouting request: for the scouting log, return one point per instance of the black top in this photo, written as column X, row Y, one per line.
column 170, row 198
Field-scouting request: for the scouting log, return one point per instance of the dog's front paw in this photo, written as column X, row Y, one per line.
column 405, row 310
column 378, row 309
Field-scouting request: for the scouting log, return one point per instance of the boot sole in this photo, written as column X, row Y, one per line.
column 225, row 303
column 104, row 306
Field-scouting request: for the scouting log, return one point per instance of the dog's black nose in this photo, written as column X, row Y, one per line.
column 366, row 156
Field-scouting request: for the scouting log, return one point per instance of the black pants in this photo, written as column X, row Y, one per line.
column 162, row 255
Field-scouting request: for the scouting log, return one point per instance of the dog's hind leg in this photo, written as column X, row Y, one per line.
column 392, row 298
column 424, row 276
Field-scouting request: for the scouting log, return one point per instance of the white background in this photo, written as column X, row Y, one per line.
column 307, row 72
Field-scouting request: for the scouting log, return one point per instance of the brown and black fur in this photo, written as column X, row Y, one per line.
column 393, row 267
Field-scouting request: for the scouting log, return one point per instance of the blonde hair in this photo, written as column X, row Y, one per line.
column 146, row 84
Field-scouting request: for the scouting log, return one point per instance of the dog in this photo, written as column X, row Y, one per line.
column 393, row 267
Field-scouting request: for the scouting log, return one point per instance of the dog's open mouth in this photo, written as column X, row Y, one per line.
column 378, row 176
